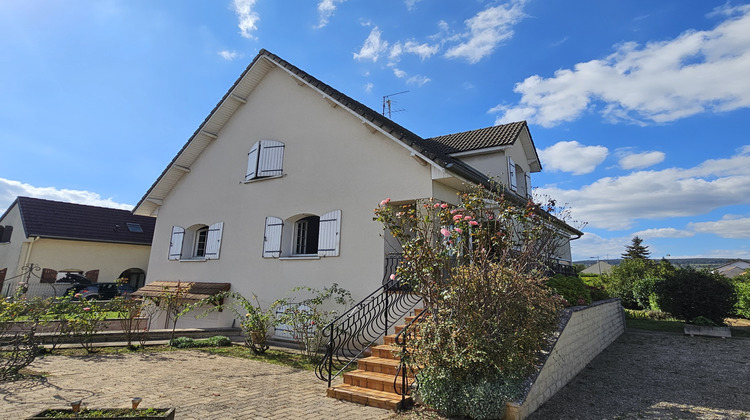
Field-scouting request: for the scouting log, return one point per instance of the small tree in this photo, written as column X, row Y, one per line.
column 636, row 250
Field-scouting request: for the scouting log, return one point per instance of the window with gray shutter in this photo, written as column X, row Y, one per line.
column 213, row 241
column 175, row 243
column 5, row 233
column 512, row 175
column 272, row 237
column 329, row 235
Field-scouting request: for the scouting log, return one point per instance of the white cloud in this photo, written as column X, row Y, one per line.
column 368, row 87
column 696, row 72
column 228, row 55
column 326, row 8
column 663, row 233
column 730, row 226
column 10, row 189
column 640, row 160
column 372, row 47
column 247, row 17
column 617, row 202
column 418, row 80
column 590, row 246
column 573, row 157
column 486, row 30
column 411, row 4
column 398, row 72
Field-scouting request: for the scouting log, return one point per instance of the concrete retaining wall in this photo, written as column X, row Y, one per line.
column 584, row 333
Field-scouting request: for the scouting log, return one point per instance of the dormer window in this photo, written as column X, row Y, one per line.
column 265, row 160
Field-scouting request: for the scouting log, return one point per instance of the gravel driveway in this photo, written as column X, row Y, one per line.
column 647, row 375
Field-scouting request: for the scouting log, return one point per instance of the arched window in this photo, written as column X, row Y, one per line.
column 198, row 242
column 302, row 235
column 306, row 236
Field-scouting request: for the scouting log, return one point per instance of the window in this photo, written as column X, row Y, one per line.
column 199, row 246
column 265, row 160
column 5, row 233
column 307, row 235
column 197, row 243
column 135, row 227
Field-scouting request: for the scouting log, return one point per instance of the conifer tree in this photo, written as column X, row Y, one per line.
column 636, row 251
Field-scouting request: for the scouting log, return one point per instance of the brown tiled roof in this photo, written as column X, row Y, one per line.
column 484, row 138
column 191, row 291
column 56, row 219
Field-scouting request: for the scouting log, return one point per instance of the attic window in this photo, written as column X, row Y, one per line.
column 265, row 160
column 135, row 227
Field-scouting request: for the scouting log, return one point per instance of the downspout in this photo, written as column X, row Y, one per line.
column 28, row 251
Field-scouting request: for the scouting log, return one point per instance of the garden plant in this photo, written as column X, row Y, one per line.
column 481, row 270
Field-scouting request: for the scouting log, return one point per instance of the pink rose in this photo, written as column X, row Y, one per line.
column 474, row 223
column 386, row 201
column 393, row 277
column 445, row 232
column 468, row 218
column 444, row 206
column 459, row 230
column 87, row 309
column 458, row 217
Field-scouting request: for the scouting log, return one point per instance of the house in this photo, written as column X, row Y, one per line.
column 276, row 188
column 600, row 267
column 54, row 238
column 733, row 268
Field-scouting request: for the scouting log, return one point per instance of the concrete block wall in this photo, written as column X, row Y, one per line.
column 584, row 333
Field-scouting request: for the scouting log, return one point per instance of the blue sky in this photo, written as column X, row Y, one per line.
column 640, row 110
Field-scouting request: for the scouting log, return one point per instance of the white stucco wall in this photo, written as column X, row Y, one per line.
column 10, row 252
column 332, row 161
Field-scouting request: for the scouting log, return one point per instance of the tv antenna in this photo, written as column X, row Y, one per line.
column 387, row 104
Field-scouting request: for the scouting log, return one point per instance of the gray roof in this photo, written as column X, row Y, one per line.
column 483, row 138
column 60, row 220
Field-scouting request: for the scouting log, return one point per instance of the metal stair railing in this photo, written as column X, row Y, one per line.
column 402, row 340
column 349, row 335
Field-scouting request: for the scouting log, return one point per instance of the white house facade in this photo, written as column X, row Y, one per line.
column 276, row 188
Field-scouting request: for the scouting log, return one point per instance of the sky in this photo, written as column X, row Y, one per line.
column 639, row 109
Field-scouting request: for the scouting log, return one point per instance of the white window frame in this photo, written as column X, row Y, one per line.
column 282, row 244
column 209, row 246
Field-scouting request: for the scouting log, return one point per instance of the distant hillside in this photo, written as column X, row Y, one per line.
column 679, row 262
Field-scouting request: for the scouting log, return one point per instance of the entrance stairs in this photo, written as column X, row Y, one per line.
column 377, row 381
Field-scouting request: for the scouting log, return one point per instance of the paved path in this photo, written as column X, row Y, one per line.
column 199, row 385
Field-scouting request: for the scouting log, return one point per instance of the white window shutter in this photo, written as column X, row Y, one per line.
column 529, row 191
column 512, row 174
column 175, row 243
column 329, row 235
column 252, row 162
column 213, row 240
column 271, row 158
column 272, row 237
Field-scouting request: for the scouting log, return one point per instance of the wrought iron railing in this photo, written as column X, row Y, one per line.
column 349, row 335
column 406, row 364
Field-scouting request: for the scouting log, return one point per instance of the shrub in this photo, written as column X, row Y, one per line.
column 187, row 342
column 742, row 290
column 479, row 269
column 479, row 398
column 571, row 288
column 689, row 293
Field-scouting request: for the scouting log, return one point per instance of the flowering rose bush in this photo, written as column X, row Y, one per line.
column 480, row 268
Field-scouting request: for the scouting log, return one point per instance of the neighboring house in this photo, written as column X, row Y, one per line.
column 734, row 268
column 59, row 238
column 276, row 188
column 600, row 267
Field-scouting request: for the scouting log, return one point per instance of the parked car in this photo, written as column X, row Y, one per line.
column 74, row 279
column 100, row 291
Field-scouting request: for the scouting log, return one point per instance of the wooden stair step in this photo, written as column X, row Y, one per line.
column 368, row 397
column 379, row 365
column 377, row 381
column 384, row 351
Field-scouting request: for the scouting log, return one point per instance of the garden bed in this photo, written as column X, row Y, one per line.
column 107, row 414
